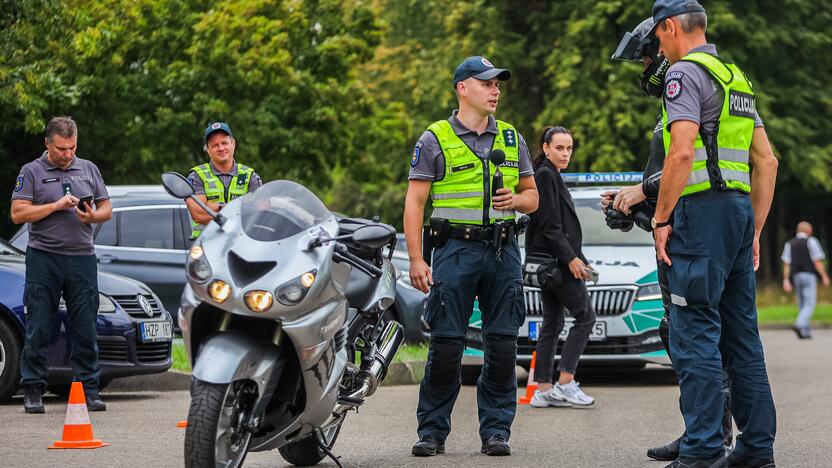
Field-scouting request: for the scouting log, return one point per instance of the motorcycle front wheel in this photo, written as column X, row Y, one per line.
column 216, row 436
column 307, row 451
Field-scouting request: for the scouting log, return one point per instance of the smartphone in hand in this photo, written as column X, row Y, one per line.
column 591, row 274
column 82, row 203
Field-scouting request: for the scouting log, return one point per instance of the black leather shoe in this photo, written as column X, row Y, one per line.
column 33, row 399
column 740, row 461
column 496, row 446
column 668, row 452
column 427, row 446
column 94, row 403
column 718, row 462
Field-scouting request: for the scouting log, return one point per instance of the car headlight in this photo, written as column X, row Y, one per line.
column 649, row 292
column 198, row 268
column 105, row 304
column 259, row 301
column 293, row 291
column 219, row 291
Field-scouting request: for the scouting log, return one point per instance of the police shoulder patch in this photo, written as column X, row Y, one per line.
column 673, row 88
column 510, row 137
column 417, row 153
column 18, row 185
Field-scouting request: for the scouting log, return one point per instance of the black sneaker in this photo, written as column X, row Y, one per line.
column 741, row 461
column 668, row 452
column 718, row 462
column 496, row 446
column 427, row 446
column 95, row 403
column 33, row 399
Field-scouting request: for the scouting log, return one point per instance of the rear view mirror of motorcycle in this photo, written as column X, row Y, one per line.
column 373, row 236
column 178, row 187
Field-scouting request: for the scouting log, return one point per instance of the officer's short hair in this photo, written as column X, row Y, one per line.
column 63, row 126
column 691, row 22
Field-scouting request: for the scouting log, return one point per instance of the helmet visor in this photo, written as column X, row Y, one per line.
column 628, row 49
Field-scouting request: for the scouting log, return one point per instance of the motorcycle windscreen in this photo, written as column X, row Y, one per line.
column 279, row 210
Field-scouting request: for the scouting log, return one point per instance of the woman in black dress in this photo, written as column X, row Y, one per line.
column 555, row 232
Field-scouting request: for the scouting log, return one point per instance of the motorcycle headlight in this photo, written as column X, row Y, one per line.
column 649, row 292
column 105, row 305
column 259, row 301
column 293, row 291
column 219, row 291
column 198, row 268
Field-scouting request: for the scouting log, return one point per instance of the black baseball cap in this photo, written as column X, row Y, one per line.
column 216, row 127
column 664, row 9
column 479, row 68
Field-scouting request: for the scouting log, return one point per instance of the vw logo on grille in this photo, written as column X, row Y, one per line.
column 145, row 305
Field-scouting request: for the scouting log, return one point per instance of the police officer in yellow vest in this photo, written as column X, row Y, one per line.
column 220, row 180
column 476, row 254
column 712, row 137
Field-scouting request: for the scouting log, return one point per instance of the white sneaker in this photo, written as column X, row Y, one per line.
column 547, row 399
column 572, row 393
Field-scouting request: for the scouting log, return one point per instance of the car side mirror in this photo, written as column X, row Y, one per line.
column 177, row 185
column 373, row 235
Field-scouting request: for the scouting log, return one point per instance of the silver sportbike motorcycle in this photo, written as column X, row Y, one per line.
column 282, row 320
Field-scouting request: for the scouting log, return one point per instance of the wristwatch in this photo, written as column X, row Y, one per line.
column 655, row 224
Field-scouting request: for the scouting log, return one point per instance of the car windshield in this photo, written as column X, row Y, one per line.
column 281, row 209
column 595, row 229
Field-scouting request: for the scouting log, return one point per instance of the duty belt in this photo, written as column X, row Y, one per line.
column 483, row 233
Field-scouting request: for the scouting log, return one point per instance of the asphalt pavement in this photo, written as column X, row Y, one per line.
column 634, row 410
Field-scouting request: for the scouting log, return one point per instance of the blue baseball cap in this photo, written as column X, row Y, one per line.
column 479, row 68
column 216, row 127
column 664, row 9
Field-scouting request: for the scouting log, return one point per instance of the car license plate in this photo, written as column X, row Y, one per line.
column 155, row 331
column 598, row 333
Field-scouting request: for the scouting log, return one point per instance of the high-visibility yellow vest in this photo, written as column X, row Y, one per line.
column 463, row 196
column 722, row 161
column 216, row 192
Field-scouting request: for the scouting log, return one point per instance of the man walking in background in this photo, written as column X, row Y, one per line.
column 802, row 266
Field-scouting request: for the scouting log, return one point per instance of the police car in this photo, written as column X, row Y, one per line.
column 626, row 298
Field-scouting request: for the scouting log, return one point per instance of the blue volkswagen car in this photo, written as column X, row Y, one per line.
column 134, row 329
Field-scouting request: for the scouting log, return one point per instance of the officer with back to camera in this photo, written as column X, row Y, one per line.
column 712, row 137
column 638, row 202
column 476, row 255
column 221, row 179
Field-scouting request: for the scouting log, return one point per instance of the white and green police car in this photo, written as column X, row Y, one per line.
column 626, row 298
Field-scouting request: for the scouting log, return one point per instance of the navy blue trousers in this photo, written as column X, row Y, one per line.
column 714, row 322
column 48, row 276
column 463, row 270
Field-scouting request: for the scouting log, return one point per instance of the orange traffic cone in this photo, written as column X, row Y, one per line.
column 77, row 427
column 531, row 385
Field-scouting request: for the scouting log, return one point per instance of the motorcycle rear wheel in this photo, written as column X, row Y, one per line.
column 215, row 436
column 307, row 451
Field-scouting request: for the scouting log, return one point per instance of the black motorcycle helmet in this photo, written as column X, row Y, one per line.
column 636, row 45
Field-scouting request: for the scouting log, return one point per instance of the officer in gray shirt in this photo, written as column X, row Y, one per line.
column 61, row 196
column 428, row 162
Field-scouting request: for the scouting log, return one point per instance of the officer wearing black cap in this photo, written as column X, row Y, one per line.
column 220, row 180
column 637, row 203
column 712, row 135
column 457, row 163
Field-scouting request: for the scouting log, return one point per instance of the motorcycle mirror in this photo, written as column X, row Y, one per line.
column 177, row 185
column 373, row 235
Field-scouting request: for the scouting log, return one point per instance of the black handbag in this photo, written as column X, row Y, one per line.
column 541, row 271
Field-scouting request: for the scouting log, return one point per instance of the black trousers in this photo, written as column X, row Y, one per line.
column 572, row 295
column 48, row 277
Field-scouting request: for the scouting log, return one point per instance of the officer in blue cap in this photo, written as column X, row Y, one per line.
column 707, row 226
column 473, row 230
column 220, row 180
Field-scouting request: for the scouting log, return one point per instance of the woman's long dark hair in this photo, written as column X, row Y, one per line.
column 545, row 139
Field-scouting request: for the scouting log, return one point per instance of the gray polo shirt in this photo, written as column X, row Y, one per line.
column 41, row 182
column 428, row 163
column 690, row 93
column 225, row 178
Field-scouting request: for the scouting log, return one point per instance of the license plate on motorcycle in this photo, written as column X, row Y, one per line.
column 155, row 331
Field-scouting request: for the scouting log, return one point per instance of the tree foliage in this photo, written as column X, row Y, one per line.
column 333, row 93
